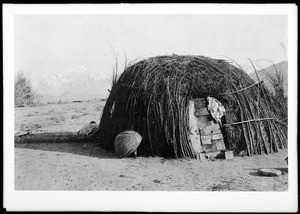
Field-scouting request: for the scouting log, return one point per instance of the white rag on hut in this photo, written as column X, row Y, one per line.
column 215, row 108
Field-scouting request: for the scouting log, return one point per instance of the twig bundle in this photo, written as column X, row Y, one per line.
column 151, row 97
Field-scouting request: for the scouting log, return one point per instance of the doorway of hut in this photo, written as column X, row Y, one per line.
column 205, row 133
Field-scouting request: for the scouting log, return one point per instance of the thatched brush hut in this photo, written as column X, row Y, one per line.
column 152, row 98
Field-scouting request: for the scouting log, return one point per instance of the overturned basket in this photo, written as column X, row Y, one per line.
column 127, row 142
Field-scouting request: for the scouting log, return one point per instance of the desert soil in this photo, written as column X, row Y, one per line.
column 81, row 166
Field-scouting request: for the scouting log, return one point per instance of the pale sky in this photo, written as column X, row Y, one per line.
column 49, row 44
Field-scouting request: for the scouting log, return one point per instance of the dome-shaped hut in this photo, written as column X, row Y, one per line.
column 153, row 97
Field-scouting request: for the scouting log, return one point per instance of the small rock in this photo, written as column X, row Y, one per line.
column 211, row 158
column 243, row 153
column 229, row 155
column 269, row 172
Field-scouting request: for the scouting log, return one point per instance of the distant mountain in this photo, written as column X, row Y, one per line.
column 76, row 84
column 281, row 67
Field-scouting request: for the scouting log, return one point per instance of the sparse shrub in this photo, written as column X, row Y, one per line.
column 30, row 114
column 58, row 118
column 98, row 107
column 78, row 109
column 50, row 102
column 75, row 116
column 51, row 111
column 219, row 187
column 62, row 102
column 39, row 103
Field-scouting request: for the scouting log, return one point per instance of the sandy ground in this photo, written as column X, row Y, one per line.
column 79, row 166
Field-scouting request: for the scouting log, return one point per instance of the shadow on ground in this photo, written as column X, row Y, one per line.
column 63, row 143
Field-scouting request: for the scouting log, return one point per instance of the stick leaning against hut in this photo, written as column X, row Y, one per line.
column 152, row 96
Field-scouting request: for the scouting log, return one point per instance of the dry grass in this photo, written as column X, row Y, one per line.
column 49, row 112
column 57, row 117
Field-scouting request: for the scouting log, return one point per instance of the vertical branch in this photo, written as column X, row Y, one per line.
column 258, row 96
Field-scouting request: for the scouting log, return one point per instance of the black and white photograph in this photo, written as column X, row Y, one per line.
column 171, row 107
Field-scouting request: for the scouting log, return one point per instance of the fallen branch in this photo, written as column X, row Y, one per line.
column 233, row 92
column 255, row 120
column 55, row 137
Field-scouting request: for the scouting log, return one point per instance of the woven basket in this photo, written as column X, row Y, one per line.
column 127, row 142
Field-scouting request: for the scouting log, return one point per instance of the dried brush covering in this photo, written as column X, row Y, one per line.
column 151, row 97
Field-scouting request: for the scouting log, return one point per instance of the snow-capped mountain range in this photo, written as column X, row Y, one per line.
column 75, row 84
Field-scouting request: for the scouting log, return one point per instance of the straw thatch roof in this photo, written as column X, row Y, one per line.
column 151, row 97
